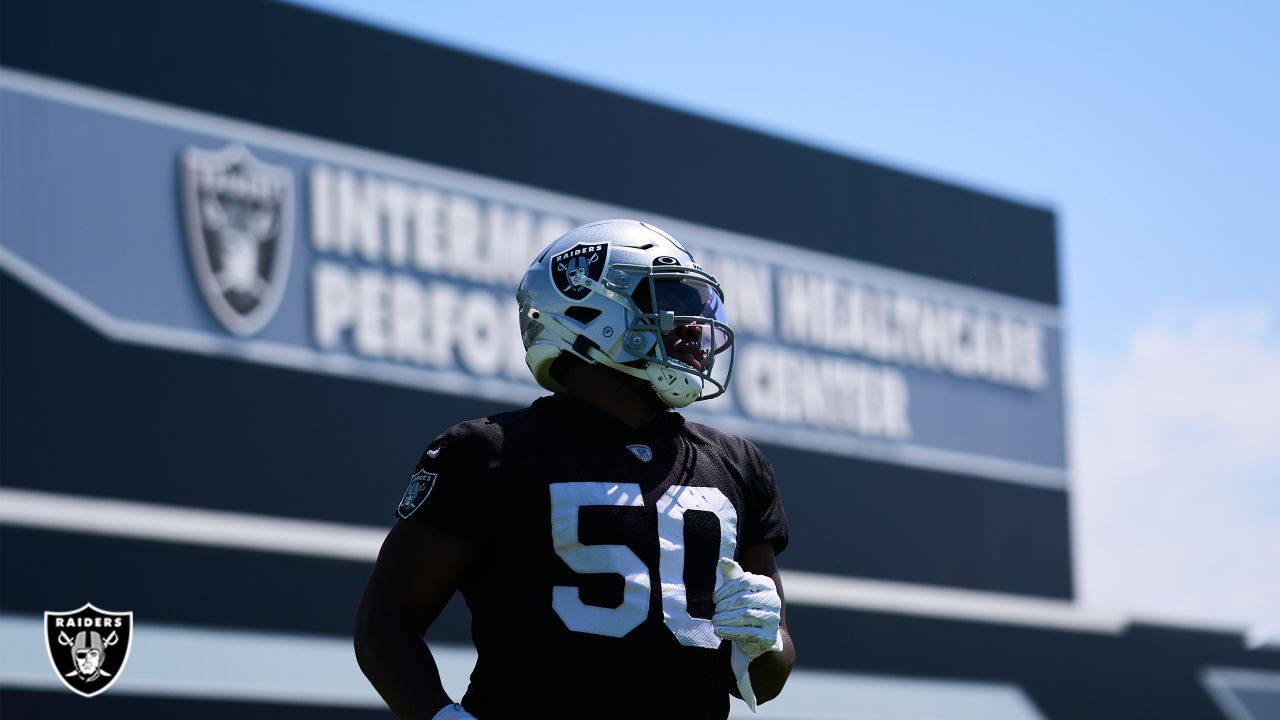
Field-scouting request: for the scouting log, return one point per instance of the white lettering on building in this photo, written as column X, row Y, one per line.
column 403, row 226
column 882, row 324
column 423, row 275
column 379, row 239
column 800, row 388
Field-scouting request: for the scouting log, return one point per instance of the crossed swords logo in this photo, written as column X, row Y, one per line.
column 570, row 269
column 576, row 269
column 239, row 214
column 88, row 647
column 88, row 653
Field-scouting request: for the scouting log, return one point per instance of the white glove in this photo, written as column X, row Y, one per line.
column 453, row 711
column 748, row 611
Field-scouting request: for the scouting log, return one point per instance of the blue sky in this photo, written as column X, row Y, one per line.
column 1151, row 129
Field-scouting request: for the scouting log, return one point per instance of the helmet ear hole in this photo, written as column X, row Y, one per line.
column 582, row 313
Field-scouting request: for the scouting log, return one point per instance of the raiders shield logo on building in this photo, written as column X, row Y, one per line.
column 239, row 216
column 88, row 647
column 569, row 268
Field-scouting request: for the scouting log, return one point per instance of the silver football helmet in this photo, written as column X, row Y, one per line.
column 627, row 295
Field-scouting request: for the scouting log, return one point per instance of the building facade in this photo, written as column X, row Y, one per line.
column 255, row 257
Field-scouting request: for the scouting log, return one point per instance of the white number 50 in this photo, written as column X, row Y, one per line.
column 567, row 498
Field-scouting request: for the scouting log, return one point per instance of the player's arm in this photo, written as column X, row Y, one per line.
column 418, row 570
column 769, row 671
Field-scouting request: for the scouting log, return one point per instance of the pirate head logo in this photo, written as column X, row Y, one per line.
column 88, row 647
column 420, row 486
column 570, row 268
column 239, row 213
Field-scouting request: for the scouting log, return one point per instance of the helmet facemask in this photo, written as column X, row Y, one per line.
column 676, row 330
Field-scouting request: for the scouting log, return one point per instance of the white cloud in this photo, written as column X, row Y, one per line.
column 1176, row 453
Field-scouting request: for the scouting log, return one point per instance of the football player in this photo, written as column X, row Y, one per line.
column 617, row 559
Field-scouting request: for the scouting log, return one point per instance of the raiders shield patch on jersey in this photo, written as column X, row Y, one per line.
column 420, row 486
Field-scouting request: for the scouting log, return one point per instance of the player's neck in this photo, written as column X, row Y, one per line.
column 631, row 401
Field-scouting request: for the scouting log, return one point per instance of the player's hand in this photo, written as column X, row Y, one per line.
column 453, row 711
column 748, row 612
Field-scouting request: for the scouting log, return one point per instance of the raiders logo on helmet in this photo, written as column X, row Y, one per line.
column 568, row 268
column 88, row 647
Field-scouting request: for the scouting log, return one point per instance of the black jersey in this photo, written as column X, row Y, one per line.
column 599, row 544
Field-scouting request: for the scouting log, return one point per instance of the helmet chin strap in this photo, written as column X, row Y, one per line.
column 677, row 388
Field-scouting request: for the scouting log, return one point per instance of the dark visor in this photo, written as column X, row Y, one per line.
column 688, row 298
column 683, row 296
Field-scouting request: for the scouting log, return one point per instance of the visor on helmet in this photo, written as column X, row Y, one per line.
column 691, row 322
column 690, row 301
